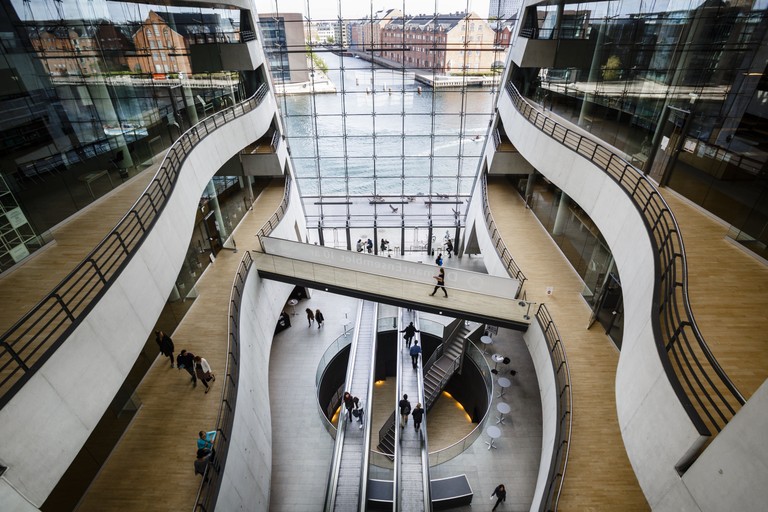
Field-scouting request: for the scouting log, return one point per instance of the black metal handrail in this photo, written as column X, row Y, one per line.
column 276, row 217
column 564, row 410
column 701, row 385
column 28, row 344
column 501, row 249
column 208, row 491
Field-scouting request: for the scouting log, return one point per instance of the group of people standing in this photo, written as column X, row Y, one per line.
column 315, row 316
column 197, row 367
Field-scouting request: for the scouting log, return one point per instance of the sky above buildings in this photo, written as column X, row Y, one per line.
column 329, row 9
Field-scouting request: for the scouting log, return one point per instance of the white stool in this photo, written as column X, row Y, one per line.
column 486, row 340
column 503, row 383
column 503, row 409
column 493, row 434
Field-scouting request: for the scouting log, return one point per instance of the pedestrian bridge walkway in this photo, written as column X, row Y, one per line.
column 471, row 295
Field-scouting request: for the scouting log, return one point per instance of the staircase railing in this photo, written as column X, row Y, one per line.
column 31, row 341
column 701, row 385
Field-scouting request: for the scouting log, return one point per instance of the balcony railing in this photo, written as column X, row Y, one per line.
column 703, row 388
column 28, row 344
column 564, row 410
column 208, row 491
column 506, row 257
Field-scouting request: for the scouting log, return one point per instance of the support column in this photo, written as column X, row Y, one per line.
column 561, row 219
column 189, row 106
column 529, row 186
column 98, row 94
column 213, row 201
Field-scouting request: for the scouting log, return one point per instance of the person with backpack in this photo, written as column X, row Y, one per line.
column 405, row 410
column 439, row 259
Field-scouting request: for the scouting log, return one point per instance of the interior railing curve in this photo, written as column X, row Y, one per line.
column 28, row 344
column 702, row 386
column 208, row 491
column 498, row 243
column 564, row 426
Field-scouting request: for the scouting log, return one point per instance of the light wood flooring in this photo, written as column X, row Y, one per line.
column 152, row 466
column 728, row 291
column 599, row 475
column 25, row 286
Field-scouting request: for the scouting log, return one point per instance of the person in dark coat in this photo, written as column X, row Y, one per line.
column 202, row 461
column 349, row 404
column 449, row 247
column 186, row 360
column 418, row 415
column 440, row 278
column 415, row 351
column 405, row 409
column 410, row 331
column 166, row 344
column 501, row 494
column 319, row 318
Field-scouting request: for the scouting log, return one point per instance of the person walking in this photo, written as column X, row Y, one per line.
column 202, row 461
column 204, row 372
column 166, row 344
column 349, row 404
column 369, row 245
column 418, row 415
column 410, row 331
column 186, row 360
column 449, row 247
column 415, row 351
column 440, row 278
column 310, row 316
column 405, row 410
column 501, row 494
column 319, row 318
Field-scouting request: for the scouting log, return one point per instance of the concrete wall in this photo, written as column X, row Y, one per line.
column 246, row 481
column 53, row 415
column 656, row 430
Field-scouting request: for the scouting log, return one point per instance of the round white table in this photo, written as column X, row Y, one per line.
column 497, row 358
column 494, row 433
column 503, row 383
column 293, row 303
column 486, row 340
column 503, row 409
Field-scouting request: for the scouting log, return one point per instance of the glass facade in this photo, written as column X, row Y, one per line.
column 94, row 92
column 680, row 87
column 387, row 130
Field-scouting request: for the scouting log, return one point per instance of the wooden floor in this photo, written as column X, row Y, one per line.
column 160, row 444
column 729, row 295
column 599, row 475
column 25, row 286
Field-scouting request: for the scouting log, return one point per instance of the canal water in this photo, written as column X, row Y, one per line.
column 384, row 134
